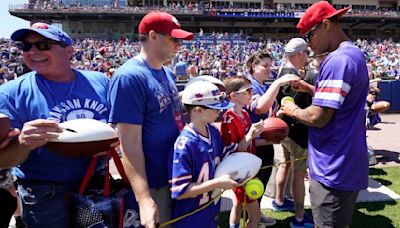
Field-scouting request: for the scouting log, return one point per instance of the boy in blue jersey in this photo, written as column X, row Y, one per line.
column 197, row 152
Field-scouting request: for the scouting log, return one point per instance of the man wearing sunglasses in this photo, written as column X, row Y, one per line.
column 147, row 110
column 35, row 103
column 295, row 145
column 338, row 158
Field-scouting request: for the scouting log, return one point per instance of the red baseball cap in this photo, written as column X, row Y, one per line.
column 164, row 23
column 316, row 13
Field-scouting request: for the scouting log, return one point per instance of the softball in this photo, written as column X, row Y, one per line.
column 254, row 189
column 287, row 99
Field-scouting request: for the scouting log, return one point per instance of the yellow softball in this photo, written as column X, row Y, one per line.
column 254, row 189
column 287, row 99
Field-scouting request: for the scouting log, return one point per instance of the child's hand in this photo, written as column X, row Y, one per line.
column 226, row 182
column 256, row 129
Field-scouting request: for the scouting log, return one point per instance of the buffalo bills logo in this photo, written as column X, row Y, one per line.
column 163, row 99
column 199, row 96
column 40, row 25
column 241, row 180
column 215, row 94
column 131, row 219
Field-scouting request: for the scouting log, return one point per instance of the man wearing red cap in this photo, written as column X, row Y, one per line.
column 147, row 110
column 337, row 148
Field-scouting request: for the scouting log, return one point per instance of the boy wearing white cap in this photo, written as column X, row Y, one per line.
column 196, row 154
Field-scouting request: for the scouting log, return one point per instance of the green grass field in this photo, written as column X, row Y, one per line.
column 374, row 215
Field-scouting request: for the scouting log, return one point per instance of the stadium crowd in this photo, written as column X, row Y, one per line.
column 101, row 6
column 219, row 60
column 177, row 8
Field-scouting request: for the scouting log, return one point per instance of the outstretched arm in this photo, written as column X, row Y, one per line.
column 266, row 101
column 313, row 116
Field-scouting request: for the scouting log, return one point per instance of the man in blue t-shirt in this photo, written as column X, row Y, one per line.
column 181, row 69
column 146, row 107
column 338, row 158
column 35, row 103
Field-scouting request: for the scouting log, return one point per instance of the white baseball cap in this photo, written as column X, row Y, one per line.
column 206, row 94
column 206, row 78
column 295, row 45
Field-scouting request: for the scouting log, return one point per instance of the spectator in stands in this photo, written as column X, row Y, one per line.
column 193, row 69
column 143, row 96
column 98, row 64
column 235, row 54
column 337, row 137
column 181, row 69
column 35, row 103
column 5, row 75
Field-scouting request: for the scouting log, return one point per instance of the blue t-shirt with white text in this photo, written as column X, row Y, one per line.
column 32, row 96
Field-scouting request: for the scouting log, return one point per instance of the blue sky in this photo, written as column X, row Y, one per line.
column 10, row 23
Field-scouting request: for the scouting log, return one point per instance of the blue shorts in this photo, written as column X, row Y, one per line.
column 44, row 204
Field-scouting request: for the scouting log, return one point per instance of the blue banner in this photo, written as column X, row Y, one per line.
column 256, row 14
column 209, row 40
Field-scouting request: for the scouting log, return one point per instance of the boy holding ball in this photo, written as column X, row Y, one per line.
column 197, row 152
column 236, row 127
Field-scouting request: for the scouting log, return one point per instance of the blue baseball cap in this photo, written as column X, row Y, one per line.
column 48, row 31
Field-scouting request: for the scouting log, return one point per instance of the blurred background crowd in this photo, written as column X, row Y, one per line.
column 195, row 7
column 219, row 60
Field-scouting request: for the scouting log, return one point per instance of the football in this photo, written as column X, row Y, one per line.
column 83, row 137
column 245, row 164
column 275, row 129
column 380, row 106
column 4, row 126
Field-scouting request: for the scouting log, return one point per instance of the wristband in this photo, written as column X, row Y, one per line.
column 294, row 110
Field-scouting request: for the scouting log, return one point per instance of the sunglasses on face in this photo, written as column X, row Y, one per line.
column 173, row 39
column 306, row 52
column 247, row 91
column 308, row 36
column 40, row 45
